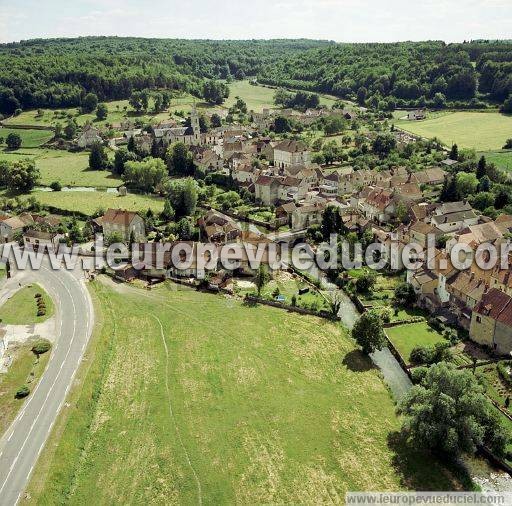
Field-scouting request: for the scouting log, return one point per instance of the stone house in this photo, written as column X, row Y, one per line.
column 491, row 322
column 453, row 216
column 35, row 239
column 88, row 136
column 290, row 152
column 266, row 189
column 125, row 223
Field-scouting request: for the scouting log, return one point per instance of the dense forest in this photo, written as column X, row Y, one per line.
column 403, row 74
column 60, row 72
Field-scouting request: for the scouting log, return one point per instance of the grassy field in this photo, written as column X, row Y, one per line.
column 72, row 169
column 118, row 110
column 25, row 369
column 257, row 98
column 501, row 158
column 89, row 202
column 260, row 97
column 188, row 397
column 21, row 308
column 407, row 337
column 483, row 131
column 29, row 138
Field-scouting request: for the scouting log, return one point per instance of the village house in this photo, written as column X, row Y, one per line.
column 453, row 216
column 432, row 176
column 419, row 232
column 307, row 215
column 127, row 224
column 284, row 213
column 10, row 227
column 424, row 283
column 407, row 192
column 36, row 239
column 465, row 290
column 88, row 136
column 418, row 114
column 208, row 161
column 218, row 228
column 263, row 120
column 379, row 206
column 491, row 322
column 308, row 175
column 266, row 189
column 290, row 152
column 144, row 143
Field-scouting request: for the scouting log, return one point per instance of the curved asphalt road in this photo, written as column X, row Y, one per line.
column 24, row 440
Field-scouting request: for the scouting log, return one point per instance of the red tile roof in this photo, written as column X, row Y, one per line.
column 496, row 305
column 119, row 217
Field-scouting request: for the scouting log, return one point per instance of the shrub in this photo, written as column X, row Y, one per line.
column 436, row 324
column 56, row 186
column 421, row 355
column 431, row 355
column 418, row 373
column 37, row 296
column 41, row 346
column 22, row 392
column 41, row 312
column 386, row 314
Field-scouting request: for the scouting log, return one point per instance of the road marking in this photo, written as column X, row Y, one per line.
column 74, row 335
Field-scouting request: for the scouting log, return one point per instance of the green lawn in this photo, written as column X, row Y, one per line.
column 25, row 369
column 483, row 131
column 72, row 169
column 89, row 202
column 502, row 158
column 21, row 308
column 188, row 397
column 407, row 337
column 29, row 138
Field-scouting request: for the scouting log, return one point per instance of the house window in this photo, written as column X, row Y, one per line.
column 479, row 319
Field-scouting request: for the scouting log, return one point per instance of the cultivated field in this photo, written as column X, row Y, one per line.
column 482, row 131
column 188, row 397
column 87, row 202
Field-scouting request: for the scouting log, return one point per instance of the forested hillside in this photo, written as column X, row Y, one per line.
column 60, row 72
column 402, row 74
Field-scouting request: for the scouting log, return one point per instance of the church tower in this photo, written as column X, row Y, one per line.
column 194, row 122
